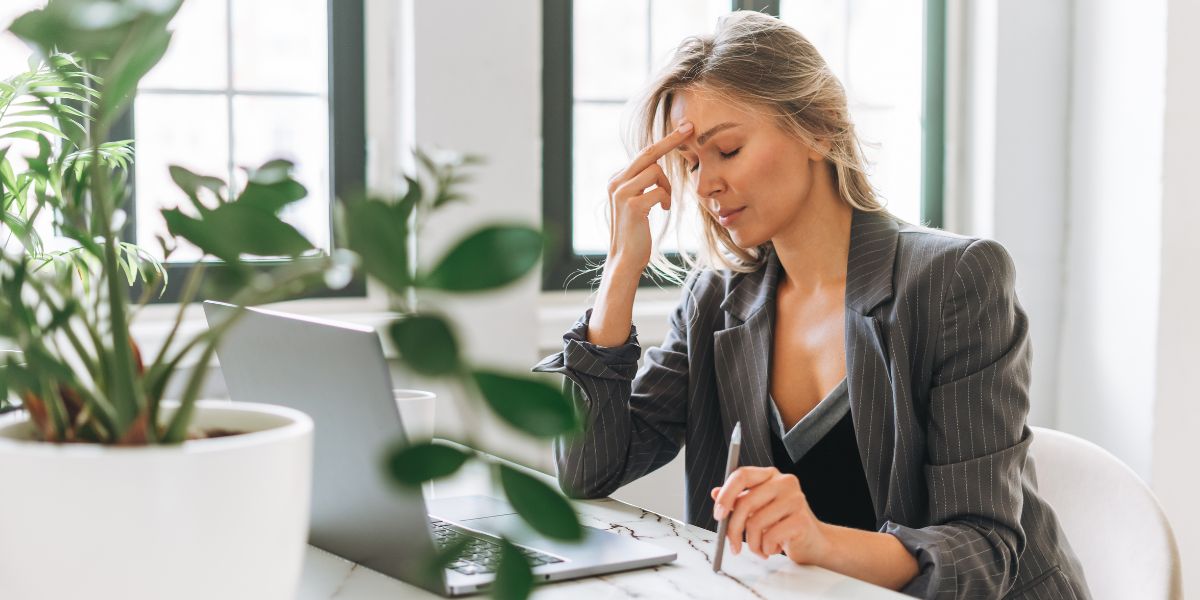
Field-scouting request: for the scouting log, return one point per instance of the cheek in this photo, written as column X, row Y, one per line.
column 779, row 181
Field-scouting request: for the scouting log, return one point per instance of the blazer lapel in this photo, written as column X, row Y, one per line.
column 742, row 356
column 868, row 370
column 742, row 351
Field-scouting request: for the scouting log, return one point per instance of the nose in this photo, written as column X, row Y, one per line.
column 708, row 183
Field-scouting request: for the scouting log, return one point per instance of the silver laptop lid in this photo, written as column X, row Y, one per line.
column 336, row 373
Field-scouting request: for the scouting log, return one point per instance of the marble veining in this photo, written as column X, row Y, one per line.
column 328, row 577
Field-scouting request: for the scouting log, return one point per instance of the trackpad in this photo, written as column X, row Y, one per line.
column 465, row 508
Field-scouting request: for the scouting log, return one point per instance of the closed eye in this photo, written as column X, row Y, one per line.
column 724, row 156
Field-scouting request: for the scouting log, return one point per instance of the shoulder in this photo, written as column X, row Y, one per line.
column 934, row 257
column 705, row 290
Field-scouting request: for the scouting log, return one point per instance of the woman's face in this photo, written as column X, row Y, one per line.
column 755, row 179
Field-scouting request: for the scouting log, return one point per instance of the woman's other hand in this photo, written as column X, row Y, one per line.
column 632, row 192
column 770, row 508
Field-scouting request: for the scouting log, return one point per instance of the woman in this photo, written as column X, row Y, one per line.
column 880, row 371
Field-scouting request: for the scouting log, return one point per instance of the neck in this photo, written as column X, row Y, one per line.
column 813, row 250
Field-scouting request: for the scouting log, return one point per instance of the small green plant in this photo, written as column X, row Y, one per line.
column 47, row 106
column 82, row 378
column 380, row 232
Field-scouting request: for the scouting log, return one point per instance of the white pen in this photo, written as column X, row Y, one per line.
column 735, row 446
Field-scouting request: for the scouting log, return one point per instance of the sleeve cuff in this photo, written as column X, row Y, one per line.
column 923, row 546
column 583, row 357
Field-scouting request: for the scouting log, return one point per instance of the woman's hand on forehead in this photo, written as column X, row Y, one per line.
column 652, row 153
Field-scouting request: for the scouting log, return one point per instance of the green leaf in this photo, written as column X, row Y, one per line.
column 412, row 195
column 530, row 405
column 132, row 61
column 272, row 171
column 449, row 553
column 25, row 234
column 5, row 404
column 540, row 505
column 378, row 233
column 36, row 126
column 272, row 197
column 415, row 464
column 426, row 344
column 491, row 257
column 514, row 575
column 191, row 184
column 233, row 229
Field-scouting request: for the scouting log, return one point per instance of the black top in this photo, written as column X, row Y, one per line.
column 832, row 477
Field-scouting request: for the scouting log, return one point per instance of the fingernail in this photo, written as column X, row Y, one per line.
column 719, row 512
column 685, row 127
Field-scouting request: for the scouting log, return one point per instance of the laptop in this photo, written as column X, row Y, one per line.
column 337, row 374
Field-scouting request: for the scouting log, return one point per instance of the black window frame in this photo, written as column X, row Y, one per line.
column 562, row 266
column 347, row 153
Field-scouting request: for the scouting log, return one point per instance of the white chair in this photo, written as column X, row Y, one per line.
column 1112, row 519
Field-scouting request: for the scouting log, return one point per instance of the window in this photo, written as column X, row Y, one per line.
column 598, row 53
column 243, row 82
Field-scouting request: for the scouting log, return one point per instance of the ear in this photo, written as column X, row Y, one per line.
column 819, row 150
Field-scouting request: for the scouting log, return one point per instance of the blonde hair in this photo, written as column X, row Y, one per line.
column 759, row 61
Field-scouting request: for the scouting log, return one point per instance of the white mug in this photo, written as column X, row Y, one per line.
column 417, row 413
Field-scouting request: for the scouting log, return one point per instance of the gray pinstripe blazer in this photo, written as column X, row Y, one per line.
column 937, row 363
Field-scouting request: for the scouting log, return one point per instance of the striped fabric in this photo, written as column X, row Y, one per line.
column 937, row 363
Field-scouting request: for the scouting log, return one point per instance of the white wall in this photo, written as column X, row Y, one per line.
column 1107, row 372
column 1007, row 134
column 472, row 73
column 1176, row 411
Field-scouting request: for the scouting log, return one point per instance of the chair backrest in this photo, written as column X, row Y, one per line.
column 1112, row 519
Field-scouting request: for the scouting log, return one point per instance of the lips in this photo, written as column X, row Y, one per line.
column 726, row 216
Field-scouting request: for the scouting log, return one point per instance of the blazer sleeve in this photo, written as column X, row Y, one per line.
column 633, row 420
column 977, row 440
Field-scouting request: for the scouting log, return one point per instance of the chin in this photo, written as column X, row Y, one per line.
column 746, row 242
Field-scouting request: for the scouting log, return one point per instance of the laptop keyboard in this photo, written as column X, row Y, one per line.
column 481, row 555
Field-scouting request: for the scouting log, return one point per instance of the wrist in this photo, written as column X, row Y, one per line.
column 620, row 266
column 827, row 551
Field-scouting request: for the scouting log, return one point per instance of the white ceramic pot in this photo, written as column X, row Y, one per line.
column 223, row 518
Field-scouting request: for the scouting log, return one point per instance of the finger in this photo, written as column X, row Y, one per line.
column 762, row 519
column 713, row 493
column 650, row 154
column 776, row 535
column 646, row 201
column 652, row 175
column 741, row 480
column 746, row 506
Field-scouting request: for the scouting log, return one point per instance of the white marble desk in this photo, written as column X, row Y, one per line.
column 328, row 577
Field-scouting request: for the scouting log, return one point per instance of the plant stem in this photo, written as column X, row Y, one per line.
column 190, row 287
column 123, row 387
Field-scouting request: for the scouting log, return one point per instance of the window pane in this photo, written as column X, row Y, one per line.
column 186, row 130
column 197, row 57
column 617, row 44
column 598, row 153
column 875, row 49
column 823, row 22
column 610, row 48
column 674, row 20
column 14, row 53
column 892, row 145
column 280, row 45
column 885, row 62
column 296, row 129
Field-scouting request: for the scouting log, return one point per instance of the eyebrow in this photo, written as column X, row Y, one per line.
column 704, row 137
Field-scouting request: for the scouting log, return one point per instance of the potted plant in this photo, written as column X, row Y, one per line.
column 55, row 137
column 117, row 491
column 105, row 494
